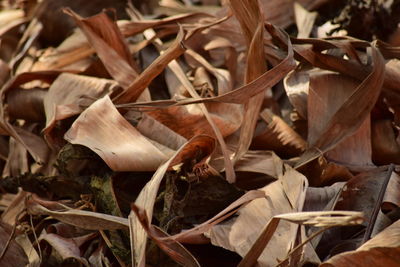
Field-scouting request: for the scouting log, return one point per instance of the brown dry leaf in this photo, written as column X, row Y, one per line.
column 382, row 250
column 175, row 50
column 104, row 35
column 82, row 219
column 182, row 80
column 147, row 196
column 174, row 6
column 4, row 72
column 131, row 28
column 385, row 149
column 26, row 104
column 338, row 64
column 285, row 195
column 240, row 95
column 278, row 12
column 116, row 141
column 361, row 194
column 264, row 162
column 328, row 92
column 69, row 95
column 278, row 136
column 30, row 252
column 159, row 132
column 189, row 121
column 349, row 116
column 208, row 78
column 180, row 75
column 230, row 55
column 14, row 209
column 252, row 24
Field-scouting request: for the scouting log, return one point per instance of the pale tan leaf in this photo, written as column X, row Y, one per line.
column 320, row 219
column 304, row 20
column 296, row 86
column 70, row 94
column 285, row 195
column 116, row 141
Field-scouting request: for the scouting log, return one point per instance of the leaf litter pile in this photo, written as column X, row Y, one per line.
column 200, row 133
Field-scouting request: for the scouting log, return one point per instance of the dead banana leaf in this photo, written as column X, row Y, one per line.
column 69, row 95
column 82, row 219
column 172, row 248
column 252, row 23
column 328, row 92
column 147, row 196
column 318, row 219
column 351, row 114
column 382, row 250
column 285, row 195
column 103, row 129
column 104, row 35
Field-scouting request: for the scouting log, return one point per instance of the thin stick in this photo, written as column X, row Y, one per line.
column 36, row 239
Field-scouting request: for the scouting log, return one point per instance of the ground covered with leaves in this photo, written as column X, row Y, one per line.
column 199, row 133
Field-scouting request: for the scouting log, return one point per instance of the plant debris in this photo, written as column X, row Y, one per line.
column 199, row 133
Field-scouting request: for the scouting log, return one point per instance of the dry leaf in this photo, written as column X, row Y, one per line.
column 146, row 198
column 69, row 95
column 382, row 250
column 285, row 195
column 83, row 219
column 116, row 141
